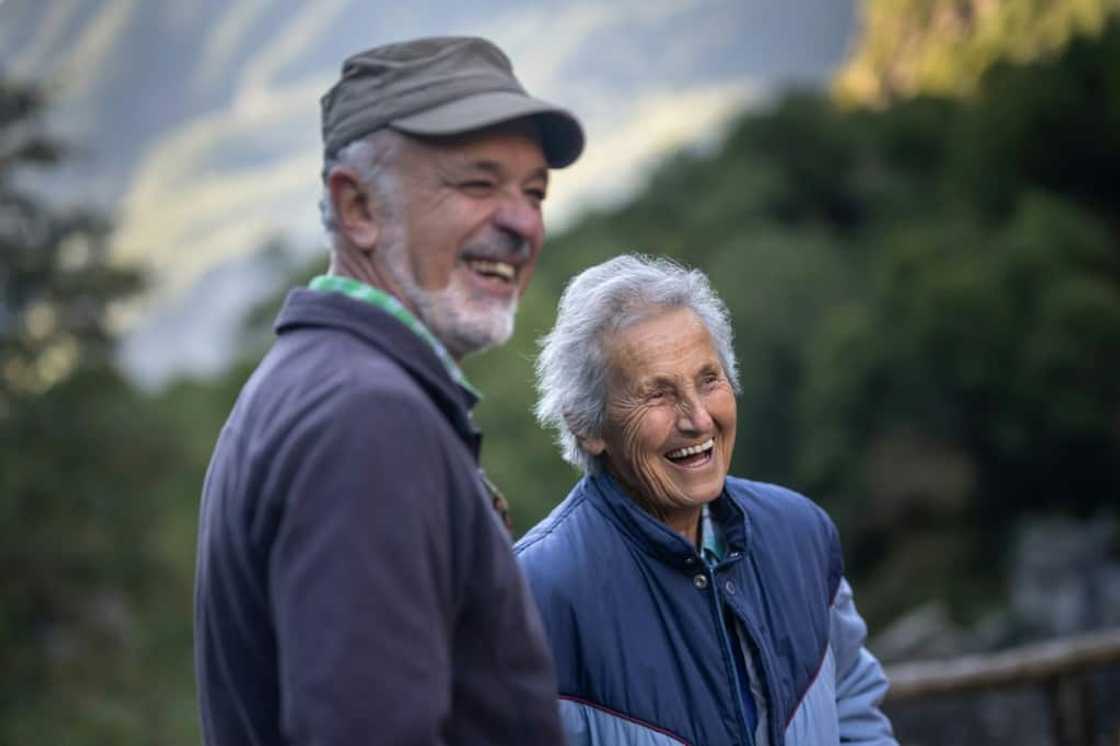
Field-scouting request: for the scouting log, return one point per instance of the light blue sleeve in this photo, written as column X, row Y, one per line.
column 860, row 681
column 586, row 724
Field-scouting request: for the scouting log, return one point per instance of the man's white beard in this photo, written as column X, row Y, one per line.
column 464, row 325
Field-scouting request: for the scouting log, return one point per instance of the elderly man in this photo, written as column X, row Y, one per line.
column 683, row 605
column 354, row 583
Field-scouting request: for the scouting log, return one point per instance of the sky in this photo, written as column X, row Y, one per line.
column 196, row 125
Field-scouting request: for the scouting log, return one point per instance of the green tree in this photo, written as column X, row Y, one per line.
column 944, row 47
column 81, row 465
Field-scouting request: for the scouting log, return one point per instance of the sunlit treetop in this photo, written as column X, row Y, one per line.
column 943, row 47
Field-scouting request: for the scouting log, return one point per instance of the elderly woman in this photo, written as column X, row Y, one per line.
column 682, row 605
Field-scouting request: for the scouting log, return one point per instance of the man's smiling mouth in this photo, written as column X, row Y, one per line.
column 498, row 270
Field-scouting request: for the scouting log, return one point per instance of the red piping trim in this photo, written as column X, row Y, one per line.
column 624, row 716
column 812, row 681
column 817, row 673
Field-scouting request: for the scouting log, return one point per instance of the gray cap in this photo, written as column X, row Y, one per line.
column 439, row 86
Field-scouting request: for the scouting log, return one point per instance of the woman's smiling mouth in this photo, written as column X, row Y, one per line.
column 692, row 455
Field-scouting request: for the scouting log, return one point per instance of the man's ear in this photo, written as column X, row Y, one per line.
column 355, row 212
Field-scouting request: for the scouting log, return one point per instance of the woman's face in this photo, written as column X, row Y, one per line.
column 670, row 413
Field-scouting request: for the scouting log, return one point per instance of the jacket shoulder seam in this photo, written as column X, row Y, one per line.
column 542, row 533
column 812, row 682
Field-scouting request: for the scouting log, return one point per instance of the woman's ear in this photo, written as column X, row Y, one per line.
column 356, row 214
column 594, row 446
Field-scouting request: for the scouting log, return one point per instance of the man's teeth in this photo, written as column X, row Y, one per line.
column 501, row 269
column 691, row 450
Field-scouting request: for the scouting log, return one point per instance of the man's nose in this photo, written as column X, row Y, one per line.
column 519, row 217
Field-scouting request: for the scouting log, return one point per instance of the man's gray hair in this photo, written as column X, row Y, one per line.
column 374, row 158
column 572, row 365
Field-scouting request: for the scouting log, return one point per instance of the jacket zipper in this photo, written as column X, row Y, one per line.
column 744, row 726
column 764, row 667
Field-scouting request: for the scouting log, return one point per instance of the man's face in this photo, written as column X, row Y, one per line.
column 670, row 414
column 467, row 232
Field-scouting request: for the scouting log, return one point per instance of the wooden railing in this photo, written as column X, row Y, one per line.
column 1057, row 666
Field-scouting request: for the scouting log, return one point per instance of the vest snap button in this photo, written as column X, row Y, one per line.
column 700, row 581
column 729, row 587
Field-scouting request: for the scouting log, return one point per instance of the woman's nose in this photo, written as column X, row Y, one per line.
column 693, row 416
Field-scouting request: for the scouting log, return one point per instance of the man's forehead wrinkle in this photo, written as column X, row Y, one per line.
column 487, row 165
column 495, row 168
column 455, row 160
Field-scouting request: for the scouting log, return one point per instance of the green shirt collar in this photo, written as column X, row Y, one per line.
column 360, row 291
column 712, row 545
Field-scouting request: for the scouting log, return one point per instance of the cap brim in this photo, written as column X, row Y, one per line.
column 561, row 133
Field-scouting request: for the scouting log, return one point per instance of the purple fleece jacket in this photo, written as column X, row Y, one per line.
column 354, row 584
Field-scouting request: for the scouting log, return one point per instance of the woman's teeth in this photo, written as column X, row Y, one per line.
column 691, row 450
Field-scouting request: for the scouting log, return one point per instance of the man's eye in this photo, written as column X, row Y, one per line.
column 477, row 186
column 537, row 194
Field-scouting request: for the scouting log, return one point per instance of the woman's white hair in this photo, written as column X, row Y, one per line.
column 572, row 365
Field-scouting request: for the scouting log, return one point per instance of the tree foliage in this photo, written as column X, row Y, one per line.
column 56, row 280
column 83, row 458
column 944, row 47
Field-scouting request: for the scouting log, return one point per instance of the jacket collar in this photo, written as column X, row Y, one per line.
column 305, row 308
column 657, row 539
column 387, row 302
